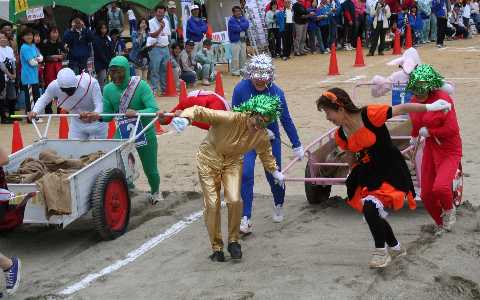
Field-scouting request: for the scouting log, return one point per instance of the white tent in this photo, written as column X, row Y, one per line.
column 4, row 10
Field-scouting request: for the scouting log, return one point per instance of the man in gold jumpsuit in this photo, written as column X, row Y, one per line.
column 220, row 158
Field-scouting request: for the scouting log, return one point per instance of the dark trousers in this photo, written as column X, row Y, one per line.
column 378, row 32
column 274, row 42
column 466, row 23
column 441, row 28
column 360, row 28
column 31, row 91
column 287, row 39
column 348, row 33
column 379, row 227
column 325, row 29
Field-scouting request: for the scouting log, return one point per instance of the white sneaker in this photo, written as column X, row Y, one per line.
column 278, row 214
column 449, row 218
column 245, row 225
column 155, row 198
column 380, row 259
column 348, row 47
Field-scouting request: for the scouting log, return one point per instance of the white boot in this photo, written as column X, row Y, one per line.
column 278, row 215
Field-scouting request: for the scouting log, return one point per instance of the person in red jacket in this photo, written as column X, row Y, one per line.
column 201, row 98
column 443, row 146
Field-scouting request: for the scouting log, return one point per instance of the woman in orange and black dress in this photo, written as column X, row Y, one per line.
column 379, row 177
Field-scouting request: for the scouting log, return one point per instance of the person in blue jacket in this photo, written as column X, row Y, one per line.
column 258, row 79
column 196, row 28
column 237, row 33
column 440, row 9
column 415, row 22
column 78, row 40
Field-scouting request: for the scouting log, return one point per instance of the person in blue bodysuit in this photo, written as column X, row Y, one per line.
column 258, row 79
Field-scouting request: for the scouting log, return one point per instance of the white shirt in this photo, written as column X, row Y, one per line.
column 288, row 16
column 87, row 97
column 466, row 11
column 475, row 7
column 131, row 15
column 6, row 52
column 162, row 40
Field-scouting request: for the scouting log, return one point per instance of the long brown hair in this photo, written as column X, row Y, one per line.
column 335, row 98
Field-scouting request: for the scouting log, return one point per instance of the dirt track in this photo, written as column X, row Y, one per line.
column 318, row 252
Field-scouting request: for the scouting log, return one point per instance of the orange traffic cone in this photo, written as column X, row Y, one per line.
column 183, row 92
column 209, row 32
column 219, row 85
column 63, row 128
column 159, row 128
column 333, row 67
column 359, row 54
column 112, row 128
column 408, row 37
column 17, row 140
column 397, row 49
column 171, row 89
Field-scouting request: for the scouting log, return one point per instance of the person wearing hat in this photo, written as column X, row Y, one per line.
column 188, row 64
column 77, row 94
column 173, row 21
column 130, row 95
column 258, row 80
column 206, row 61
column 196, row 27
column 443, row 146
column 219, row 161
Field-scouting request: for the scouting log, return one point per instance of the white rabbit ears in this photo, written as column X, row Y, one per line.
column 409, row 60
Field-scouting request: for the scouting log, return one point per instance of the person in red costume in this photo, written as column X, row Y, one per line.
column 443, row 146
column 201, row 98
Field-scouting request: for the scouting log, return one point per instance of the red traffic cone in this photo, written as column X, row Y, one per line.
column 397, row 49
column 63, row 128
column 219, row 85
column 171, row 88
column 112, row 128
column 209, row 32
column 408, row 37
column 159, row 128
column 17, row 140
column 183, row 92
column 359, row 54
column 333, row 67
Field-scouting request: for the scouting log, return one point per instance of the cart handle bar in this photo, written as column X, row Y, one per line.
column 78, row 115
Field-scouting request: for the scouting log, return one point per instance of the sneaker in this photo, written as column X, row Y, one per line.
column 155, row 198
column 449, row 218
column 245, row 226
column 397, row 253
column 13, row 276
column 380, row 259
column 438, row 231
column 348, row 47
column 370, row 54
column 284, row 58
column 217, row 256
column 277, row 214
column 235, row 250
column 439, row 46
column 327, row 50
column 205, row 82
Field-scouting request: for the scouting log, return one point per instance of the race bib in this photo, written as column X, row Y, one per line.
column 126, row 126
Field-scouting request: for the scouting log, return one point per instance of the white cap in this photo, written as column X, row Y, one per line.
column 192, row 7
column 66, row 78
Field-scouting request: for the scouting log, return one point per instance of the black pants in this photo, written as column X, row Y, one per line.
column 360, row 28
column 381, row 231
column 378, row 32
column 274, row 42
column 287, row 39
column 35, row 89
column 441, row 28
column 325, row 29
column 466, row 23
column 348, row 33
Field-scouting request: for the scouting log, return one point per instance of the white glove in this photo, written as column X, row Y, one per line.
column 299, row 152
column 180, row 124
column 39, row 58
column 424, row 132
column 271, row 135
column 439, row 105
column 279, row 177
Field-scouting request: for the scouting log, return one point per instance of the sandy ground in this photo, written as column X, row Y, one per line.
column 318, row 252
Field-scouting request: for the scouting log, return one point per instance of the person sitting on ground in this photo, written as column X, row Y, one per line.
column 204, row 57
column 188, row 64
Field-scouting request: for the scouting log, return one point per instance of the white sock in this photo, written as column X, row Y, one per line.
column 396, row 248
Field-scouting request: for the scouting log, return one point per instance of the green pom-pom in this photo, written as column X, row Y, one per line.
column 265, row 105
column 424, row 79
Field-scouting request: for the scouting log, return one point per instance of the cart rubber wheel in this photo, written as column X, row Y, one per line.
column 458, row 186
column 110, row 204
column 316, row 194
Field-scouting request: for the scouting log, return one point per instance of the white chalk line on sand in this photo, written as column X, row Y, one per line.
column 357, row 78
column 133, row 255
